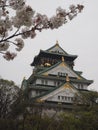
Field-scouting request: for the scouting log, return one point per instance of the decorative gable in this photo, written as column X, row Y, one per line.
column 65, row 93
column 61, row 70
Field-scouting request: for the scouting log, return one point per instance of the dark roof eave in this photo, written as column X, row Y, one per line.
column 85, row 81
column 66, row 55
column 73, row 57
column 71, row 79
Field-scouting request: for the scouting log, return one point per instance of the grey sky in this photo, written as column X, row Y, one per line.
column 78, row 37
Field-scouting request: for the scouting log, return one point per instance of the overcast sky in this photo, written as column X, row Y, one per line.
column 78, row 37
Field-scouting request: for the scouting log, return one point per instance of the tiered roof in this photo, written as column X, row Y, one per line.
column 56, row 52
column 61, row 70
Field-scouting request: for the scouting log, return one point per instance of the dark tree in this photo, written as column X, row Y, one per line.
column 8, row 95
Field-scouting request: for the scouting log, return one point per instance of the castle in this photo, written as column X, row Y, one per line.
column 54, row 80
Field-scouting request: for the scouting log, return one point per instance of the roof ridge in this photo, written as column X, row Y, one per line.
column 59, row 47
column 67, row 55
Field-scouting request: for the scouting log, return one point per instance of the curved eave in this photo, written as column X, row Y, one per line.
column 79, row 72
column 35, row 58
column 82, row 81
column 47, row 54
column 74, row 80
column 39, row 88
column 60, row 54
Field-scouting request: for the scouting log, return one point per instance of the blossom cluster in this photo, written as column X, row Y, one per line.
column 19, row 44
column 25, row 23
column 4, row 46
column 23, row 17
column 9, row 56
column 17, row 4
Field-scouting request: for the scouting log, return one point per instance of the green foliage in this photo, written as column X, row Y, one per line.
column 8, row 124
column 86, row 101
column 19, row 106
column 85, row 121
column 8, row 95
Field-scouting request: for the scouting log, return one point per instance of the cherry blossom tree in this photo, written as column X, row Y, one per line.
column 19, row 21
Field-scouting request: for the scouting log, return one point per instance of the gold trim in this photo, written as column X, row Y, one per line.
column 67, row 86
column 47, row 64
column 79, row 78
column 46, row 74
column 62, row 64
column 67, row 78
column 39, row 100
column 57, row 43
column 63, row 59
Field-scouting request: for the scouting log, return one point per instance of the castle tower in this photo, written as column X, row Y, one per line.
column 54, row 79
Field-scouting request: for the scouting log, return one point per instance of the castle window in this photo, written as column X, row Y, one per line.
column 72, row 99
column 62, row 97
column 42, row 81
column 61, row 74
column 59, row 97
column 54, row 83
column 46, row 82
column 65, row 98
column 81, row 86
column 58, row 83
column 68, row 98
